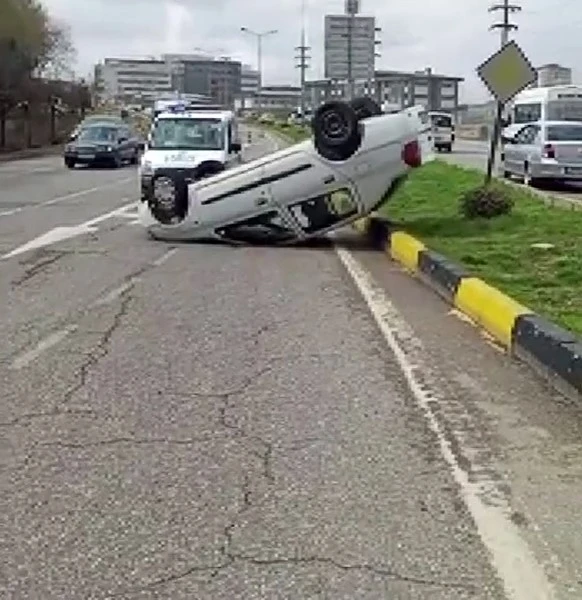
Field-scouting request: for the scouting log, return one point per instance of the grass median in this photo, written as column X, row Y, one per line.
column 294, row 133
column 502, row 250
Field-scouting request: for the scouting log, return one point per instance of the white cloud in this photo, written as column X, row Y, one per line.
column 451, row 36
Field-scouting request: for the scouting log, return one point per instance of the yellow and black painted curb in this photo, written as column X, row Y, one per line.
column 552, row 351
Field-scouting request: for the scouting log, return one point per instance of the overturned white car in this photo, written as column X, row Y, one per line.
column 356, row 156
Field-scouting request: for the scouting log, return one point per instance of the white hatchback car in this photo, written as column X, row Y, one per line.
column 356, row 158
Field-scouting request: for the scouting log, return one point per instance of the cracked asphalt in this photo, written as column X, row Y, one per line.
column 209, row 422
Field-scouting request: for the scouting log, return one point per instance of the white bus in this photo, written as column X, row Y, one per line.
column 556, row 103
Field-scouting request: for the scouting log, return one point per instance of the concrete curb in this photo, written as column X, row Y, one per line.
column 554, row 353
column 27, row 153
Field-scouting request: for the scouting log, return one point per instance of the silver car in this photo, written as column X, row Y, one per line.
column 544, row 151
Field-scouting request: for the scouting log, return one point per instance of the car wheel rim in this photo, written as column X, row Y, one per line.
column 165, row 193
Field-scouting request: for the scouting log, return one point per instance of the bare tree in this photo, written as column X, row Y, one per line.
column 58, row 53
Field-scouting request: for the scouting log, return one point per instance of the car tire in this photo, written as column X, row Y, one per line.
column 135, row 158
column 365, row 107
column 449, row 148
column 167, row 210
column 336, row 131
column 117, row 162
column 69, row 163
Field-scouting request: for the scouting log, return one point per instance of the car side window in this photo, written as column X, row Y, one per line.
column 526, row 135
column 323, row 211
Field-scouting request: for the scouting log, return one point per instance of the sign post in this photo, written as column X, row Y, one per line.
column 505, row 73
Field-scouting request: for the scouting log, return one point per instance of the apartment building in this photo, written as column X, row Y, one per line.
column 132, row 79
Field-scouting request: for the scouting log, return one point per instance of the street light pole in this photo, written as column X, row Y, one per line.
column 259, row 35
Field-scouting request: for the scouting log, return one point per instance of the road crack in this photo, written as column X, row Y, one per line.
column 130, row 442
column 29, row 417
column 101, row 349
column 50, row 257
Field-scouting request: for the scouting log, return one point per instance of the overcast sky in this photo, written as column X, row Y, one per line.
column 451, row 36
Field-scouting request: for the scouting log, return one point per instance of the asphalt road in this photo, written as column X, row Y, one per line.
column 208, row 422
column 474, row 154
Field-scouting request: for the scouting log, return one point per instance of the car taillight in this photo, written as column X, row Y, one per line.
column 549, row 151
column 411, row 154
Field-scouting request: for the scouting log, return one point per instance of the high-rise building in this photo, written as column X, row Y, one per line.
column 350, row 38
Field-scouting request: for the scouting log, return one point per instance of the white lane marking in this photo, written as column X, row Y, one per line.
column 522, row 576
column 66, row 197
column 160, row 261
column 7, row 213
column 114, row 293
column 56, row 337
column 45, row 344
column 59, row 234
column 86, row 192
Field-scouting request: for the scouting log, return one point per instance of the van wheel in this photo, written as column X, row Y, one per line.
column 336, row 133
column 365, row 107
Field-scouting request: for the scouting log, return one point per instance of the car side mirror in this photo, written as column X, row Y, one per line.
column 508, row 140
column 235, row 147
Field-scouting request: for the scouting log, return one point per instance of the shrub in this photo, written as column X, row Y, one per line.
column 486, row 202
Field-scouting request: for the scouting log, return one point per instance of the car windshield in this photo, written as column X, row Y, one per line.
column 99, row 134
column 441, row 120
column 564, row 133
column 564, row 110
column 187, row 134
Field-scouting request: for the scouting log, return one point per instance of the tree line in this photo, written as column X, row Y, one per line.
column 33, row 45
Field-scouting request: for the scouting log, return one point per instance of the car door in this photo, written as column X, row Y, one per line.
column 313, row 194
column 514, row 151
column 234, row 194
column 525, row 147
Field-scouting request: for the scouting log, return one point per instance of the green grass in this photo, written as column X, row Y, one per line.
column 294, row 133
column 499, row 250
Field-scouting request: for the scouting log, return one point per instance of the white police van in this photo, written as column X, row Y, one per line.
column 189, row 142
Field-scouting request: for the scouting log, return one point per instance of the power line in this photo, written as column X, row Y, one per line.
column 504, row 26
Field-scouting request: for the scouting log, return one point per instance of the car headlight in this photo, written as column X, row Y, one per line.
column 147, row 168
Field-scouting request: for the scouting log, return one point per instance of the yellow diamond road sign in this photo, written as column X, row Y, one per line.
column 507, row 72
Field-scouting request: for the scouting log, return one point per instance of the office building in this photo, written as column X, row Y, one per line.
column 132, row 79
column 249, row 81
column 553, row 74
column 280, row 100
column 220, row 79
column 337, row 46
column 393, row 90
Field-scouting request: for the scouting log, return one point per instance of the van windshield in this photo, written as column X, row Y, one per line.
column 441, row 121
column 527, row 113
column 187, row 134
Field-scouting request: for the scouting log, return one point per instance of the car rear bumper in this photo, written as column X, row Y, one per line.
column 564, row 172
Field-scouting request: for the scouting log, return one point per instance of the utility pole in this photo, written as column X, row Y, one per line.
column 351, row 7
column 303, row 61
column 259, row 37
column 504, row 28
